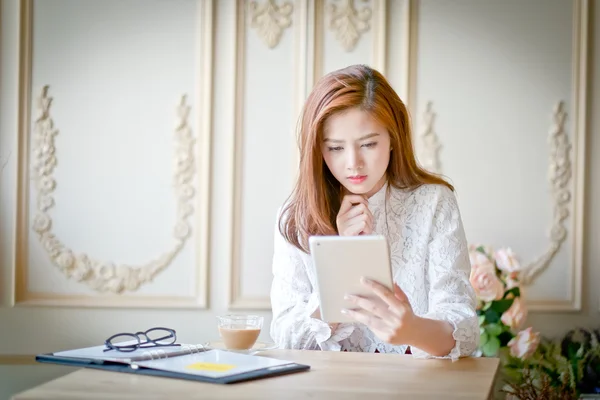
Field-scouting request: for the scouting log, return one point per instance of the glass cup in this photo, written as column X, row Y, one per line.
column 239, row 332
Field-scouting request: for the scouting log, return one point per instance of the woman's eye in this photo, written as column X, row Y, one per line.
column 371, row 144
column 337, row 148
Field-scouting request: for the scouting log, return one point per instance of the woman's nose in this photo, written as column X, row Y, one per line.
column 354, row 161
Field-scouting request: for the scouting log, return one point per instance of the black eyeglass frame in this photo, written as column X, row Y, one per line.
column 147, row 343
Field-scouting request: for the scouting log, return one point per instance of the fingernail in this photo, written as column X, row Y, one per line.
column 365, row 280
column 348, row 297
column 344, row 311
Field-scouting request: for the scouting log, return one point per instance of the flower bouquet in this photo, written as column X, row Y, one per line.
column 559, row 369
column 501, row 310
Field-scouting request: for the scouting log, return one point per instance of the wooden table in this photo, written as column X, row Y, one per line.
column 333, row 375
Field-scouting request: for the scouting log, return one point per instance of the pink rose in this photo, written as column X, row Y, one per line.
column 515, row 316
column 480, row 261
column 524, row 344
column 507, row 260
column 486, row 284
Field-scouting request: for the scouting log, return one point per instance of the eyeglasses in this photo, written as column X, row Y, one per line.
column 128, row 342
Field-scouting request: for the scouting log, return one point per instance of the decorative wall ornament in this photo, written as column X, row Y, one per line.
column 100, row 275
column 348, row 23
column 430, row 146
column 270, row 20
column 559, row 175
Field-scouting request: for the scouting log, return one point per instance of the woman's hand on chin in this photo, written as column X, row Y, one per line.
column 354, row 217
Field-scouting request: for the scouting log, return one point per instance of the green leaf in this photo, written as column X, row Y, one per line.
column 515, row 291
column 580, row 352
column 490, row 348
column 481, row 319
column 493, row 329
column 483, row 338
column 500, row 306
column 486, row 306
column 572, row 349
column 492, row 316
column 513, row 374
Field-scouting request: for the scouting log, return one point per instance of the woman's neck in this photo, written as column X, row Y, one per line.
column 377, row 187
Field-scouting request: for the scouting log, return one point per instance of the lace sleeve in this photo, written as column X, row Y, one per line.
column 451, row 296
column 293, row 301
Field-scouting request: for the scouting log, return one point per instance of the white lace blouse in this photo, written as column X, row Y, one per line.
column 430, row 263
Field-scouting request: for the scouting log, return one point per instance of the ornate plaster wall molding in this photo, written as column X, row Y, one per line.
column 270, row 20
column 348, row 23
column 559, row 176
column 100, row 275
column 429, row 149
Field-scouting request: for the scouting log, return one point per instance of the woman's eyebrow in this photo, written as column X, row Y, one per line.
column 368, row 136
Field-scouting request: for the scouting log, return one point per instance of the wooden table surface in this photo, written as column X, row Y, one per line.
column 333, row 375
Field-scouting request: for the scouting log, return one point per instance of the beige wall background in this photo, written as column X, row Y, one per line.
column 175, row 147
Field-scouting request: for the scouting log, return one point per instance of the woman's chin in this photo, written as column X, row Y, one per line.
column 359, row 189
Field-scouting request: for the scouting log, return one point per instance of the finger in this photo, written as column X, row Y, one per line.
column 385, row 294
column 361, row 213
column 362, row 208
column 349, row 200
column 360, row 222
column 400, row 295
column 358, row 218
column 355, row 228
column 357, row 210
column 375, row 307
column 373, row 322
column 370, row 222
column 367, row 231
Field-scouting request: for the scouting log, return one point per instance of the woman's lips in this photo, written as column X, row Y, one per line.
column 357, row 179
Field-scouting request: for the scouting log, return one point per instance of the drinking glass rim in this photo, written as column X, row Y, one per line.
column 240, row 317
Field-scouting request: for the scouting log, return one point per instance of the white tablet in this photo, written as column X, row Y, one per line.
column 340, row 262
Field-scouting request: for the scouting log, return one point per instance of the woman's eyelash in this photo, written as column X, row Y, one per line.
column 340, row 148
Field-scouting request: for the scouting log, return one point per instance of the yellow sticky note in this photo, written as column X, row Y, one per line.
column 204, row 366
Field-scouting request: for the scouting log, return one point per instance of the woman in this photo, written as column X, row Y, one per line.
column 358, row 176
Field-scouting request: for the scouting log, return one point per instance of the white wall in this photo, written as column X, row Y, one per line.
column 491, row 70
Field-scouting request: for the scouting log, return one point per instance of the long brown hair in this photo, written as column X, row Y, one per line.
column 315, row 201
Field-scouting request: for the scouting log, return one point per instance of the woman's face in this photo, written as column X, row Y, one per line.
column 356, row 149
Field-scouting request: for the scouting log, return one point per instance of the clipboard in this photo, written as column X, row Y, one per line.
column 188, row 362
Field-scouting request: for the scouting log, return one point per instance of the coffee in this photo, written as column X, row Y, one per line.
column 242, row 338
